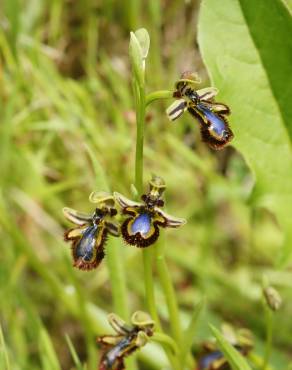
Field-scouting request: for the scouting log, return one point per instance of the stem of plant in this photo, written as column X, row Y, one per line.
column 140, row 122
column 117, row 279
column 269, row 336
column 169, row 292
column 119, row 289
column 141, row 102
column 147, row 253
column 160, row 94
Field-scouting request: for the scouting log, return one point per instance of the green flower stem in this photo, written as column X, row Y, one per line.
column 160, row 94
column 140, row 119
column 86, row 321
column 117, row 279
column 118, row 285
column 147, row 253
column 149, row 287
column 139, row 92
column 169, row 293
column 269, row 336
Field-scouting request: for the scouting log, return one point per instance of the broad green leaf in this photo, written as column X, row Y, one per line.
column 274, row 48
column 235, row 359
column 289, row 4
column 248, row 55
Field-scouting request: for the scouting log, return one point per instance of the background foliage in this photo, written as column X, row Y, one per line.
column 67, row 128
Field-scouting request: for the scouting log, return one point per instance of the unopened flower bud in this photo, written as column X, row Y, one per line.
column 273, row 298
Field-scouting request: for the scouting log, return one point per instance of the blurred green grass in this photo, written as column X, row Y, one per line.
column 66, row 92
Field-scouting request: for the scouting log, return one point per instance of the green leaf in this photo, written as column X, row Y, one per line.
column 189, row 333
column 247, row 48
column 4, row 357
column 138, row 50
column 274, row 48
column 49, row 358
column 235, row 359
column 12, row 11
column 73, row 352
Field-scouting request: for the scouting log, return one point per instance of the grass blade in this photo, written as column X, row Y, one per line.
column 236, row 360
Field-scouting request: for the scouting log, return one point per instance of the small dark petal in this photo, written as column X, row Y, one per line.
column 113, row 212
column 177, row 94
column 113, row 228
column 160, row 203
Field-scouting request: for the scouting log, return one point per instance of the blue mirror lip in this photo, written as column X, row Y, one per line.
column 217, row 124
column 215, row 130
column 141, row 224
column 85, row 247
column 208, row 133
column 206, row 361
column 87, row 253
column 88, row 237
column 138, row 239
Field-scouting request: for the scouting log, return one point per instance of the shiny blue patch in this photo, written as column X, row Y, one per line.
column 207, row 360
column 85, row 247
column 218, row 125
column 142, row 224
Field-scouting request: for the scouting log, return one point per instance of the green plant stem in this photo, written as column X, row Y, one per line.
column 141, row 103
column 118, row 279
column 188, row 335
column 86, row 321
column 160, row 94
column 149, row 286
column 140, row 119
column 139, row 92
column 269, row 336
column 118, row 285
column 147, row 253
column 169, row 293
